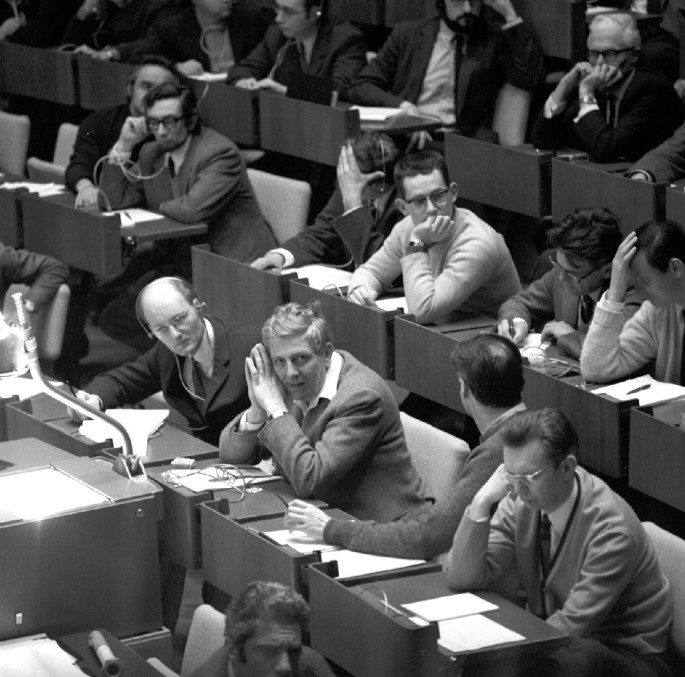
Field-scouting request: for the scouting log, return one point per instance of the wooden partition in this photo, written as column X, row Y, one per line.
column 360, row 11
column 11, row 230
column 101, row 83
column 675, row 202
column 408, row 10
column 232, row 111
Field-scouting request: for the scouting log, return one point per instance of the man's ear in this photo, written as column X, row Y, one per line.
column 463, row 388
column 327, row 353
column 570, row 463
column 677, row 267
column 402, row 206
column 454, row 189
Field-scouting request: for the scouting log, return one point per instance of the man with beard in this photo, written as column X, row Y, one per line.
column 452, row 67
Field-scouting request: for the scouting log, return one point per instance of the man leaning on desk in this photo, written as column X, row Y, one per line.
column 489, row 375
column 197, row 362
column 654, row 258
column 358, row 217
column 582, row 556
column 452, row 263
column 189, row 173
column 331, row 424
column 564, row 298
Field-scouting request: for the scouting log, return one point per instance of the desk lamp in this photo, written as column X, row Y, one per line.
column 127, row 463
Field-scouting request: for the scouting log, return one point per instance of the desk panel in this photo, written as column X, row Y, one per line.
column 517, row 179
column 232, row 111
column 593, row 185
column 408, row 10
column 360, row 11
column 657, row 458
column 303, row 129
column 45, row 74
column 675, row 202
column 102, row 84
column 236, row 292
column 11, row 229
column 367, row 333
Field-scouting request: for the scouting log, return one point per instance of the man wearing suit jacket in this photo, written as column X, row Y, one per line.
column 302, row 41
column 189, row 173
column 562, row 301
column 614, row 106
column 415, row 69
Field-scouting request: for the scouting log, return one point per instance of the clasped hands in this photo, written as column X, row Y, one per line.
column 263, row 386
column 264, row 83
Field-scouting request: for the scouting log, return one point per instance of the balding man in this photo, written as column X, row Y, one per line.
column 198, row 362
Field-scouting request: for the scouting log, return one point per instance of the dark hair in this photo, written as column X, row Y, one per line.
column 661, row 241
column 293, row 319
column 592, row 235
column 423, row 162
column 550, row 426
column 375, row 152
column 183, row 287
column 169, row 90
column 260, row 602
column 152, row 60
column 492, row 368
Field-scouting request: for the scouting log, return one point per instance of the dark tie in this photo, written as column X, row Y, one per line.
column 612, row 105
column 172, row 168
column 198, row 380
column 682, row 356
column 587, row 308
column 545, row 540
column 458, row 46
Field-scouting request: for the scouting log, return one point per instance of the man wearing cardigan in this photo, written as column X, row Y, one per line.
column 331, row 424
column 583, row 559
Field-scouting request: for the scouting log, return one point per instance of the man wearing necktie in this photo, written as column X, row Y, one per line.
column 614, row 105
column 596, row 578
column 561, row 303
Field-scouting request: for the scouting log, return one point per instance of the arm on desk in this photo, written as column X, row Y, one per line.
column 666, row 162
column 259, row 62
column 120, row 191
column 351, row 57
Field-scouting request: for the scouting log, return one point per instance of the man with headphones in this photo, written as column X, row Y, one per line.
column 188, row 172
column 198, row 362
column 303, row 40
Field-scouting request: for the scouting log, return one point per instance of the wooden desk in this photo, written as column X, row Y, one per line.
column 675, row 202
column 657, row 462
column 47, row 419
column 45, row 74
column 181, row 527
column 234, row 291
column 232, row 111
column 101, row 84
column 591, row 184
column 365, row 332
column 11, row 229
column 29, row 453
column 517, row 179
column 89, row 240
column 303, row 129
column 351, row 626
column 559, row 25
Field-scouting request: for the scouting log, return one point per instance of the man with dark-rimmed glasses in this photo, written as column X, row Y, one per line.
column 561, row 303
column 614, row 106
column 582, row 556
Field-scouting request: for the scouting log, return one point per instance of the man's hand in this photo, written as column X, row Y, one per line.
column 351, row 179
column 570, row 81
column 270, row 261
column 303, row 516
column 639, row 175
column 679, row 86
column 92, row 400
column 264, row 388
column 107, row 54
column 247, row 83
column 87, row 197
column 520, row 330
column 190, row 67
column 362, row 296
column 491, row 493
column 133, row 131
column 503, row 7
column 11, row 26
column 598, row 79
column 271, row 85
column 620, row 269
column 90, row 9
column 553, row 330
column 435, row 228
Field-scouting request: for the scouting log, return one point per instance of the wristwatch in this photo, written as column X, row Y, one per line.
column 589, row 99
column 416, row 246
column 275, row 414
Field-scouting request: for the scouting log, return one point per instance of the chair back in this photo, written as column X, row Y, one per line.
column 48, row 323
column 511, row 115
column 206, row 635
column 14, row 142
column 284, row 202
column 671, row 553
column 42, row 170
column 437, row 455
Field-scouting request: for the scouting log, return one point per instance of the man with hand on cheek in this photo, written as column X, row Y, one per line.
column 452, row 262
column 331, row 424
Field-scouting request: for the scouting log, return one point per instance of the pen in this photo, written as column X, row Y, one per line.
column 71, row 388
column 637, row 390
column 512, row 332
column 282, row 500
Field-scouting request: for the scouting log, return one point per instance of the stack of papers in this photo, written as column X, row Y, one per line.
column 375, row 113
column 43, row 189
column 645, row 389
column 321, row 277
column 129, row 217
column 139, row 424
column 37, row 656
column 215, row 479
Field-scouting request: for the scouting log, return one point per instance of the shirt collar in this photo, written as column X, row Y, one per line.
column 503, row 417
column 205, row 353
column 559, row 517
column 330, row 383
column 178, row 155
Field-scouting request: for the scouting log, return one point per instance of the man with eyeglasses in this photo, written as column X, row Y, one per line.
column 561, row 303
column 581, row 554
column 303, row 40
column 189, row 172
column 358, row 217
column 452, row 263
column 614, row 106
column 452, row 67
column 653, row 256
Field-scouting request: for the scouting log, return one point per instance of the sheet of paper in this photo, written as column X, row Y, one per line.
column 450, row 606
column 359, row 563
column 652, row 390
column 139, row 424
column 209, row 77
column 299, row 541
column 43, row 189
column 474, row 632
column 129, row 217
column 23, row 388
column 375, row 113
column 36, row 656
column 534, row 340
column 321, row 277
column 393, row 303
column 215, row 479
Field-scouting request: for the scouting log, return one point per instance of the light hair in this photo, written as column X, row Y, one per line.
column 293, row 319
column 625, row 21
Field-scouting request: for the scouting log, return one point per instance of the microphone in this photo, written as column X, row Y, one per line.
column 111, row 666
